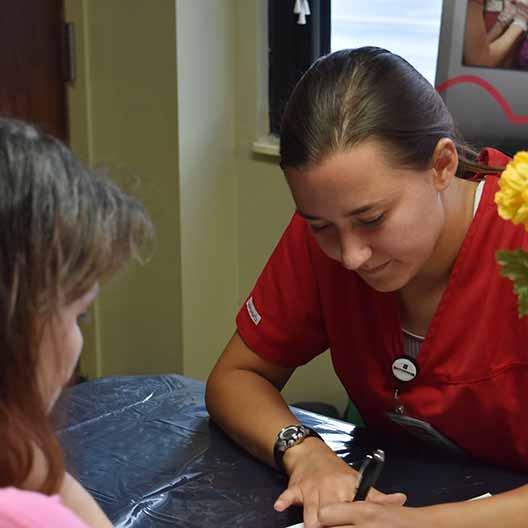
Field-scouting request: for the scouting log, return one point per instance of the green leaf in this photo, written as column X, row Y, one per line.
column 514, row 266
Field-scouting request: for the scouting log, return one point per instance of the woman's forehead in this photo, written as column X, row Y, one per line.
column 365, row 168
column 360, row 178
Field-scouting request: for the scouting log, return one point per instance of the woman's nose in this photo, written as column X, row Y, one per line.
column 354, row 251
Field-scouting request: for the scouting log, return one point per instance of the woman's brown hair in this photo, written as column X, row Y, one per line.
column 354, row 94
column 62, row 229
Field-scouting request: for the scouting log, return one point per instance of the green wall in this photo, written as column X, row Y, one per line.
column 123, row 113
column 265, row 205
column 175, row 94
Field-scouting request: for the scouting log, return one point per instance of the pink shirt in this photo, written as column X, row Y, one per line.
column 27, row 509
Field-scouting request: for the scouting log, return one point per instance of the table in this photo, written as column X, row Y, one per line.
column 145, row 448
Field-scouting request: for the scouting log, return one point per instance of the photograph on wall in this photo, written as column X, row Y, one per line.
column 496, row 34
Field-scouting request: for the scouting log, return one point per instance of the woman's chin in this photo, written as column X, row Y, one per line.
column 386, row 283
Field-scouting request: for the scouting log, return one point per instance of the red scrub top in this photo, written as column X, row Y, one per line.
column 473, row 365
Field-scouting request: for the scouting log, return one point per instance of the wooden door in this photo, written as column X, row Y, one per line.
column 32, row 66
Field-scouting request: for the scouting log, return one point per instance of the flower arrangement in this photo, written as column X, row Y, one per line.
column 512, row 204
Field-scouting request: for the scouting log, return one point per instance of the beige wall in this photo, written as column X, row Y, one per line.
column 123, row 113
column 175, row 93
column 206, row 58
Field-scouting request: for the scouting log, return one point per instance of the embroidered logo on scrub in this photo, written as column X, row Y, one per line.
column 252, row 311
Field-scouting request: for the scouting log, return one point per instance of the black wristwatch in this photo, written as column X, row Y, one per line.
column 290, row 436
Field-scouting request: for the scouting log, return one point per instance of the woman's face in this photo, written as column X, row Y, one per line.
column 377, row 220
column 61, row 345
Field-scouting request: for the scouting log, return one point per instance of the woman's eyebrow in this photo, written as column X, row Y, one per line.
column 359, row 210
column 307, row 216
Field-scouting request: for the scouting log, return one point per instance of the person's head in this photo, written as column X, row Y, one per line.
column 361, row 129
column 63, row 229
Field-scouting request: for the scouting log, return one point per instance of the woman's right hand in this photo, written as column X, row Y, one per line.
column 319, row 478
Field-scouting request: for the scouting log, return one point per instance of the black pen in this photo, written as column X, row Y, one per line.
column 369, row 473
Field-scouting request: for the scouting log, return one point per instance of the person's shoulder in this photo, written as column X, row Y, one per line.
column 297, row 234
column 297, row 224
column 29, row 509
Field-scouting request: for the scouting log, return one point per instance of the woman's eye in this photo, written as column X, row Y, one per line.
column 373, row 221
column 318, row 228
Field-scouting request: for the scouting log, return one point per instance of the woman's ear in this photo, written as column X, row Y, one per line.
column 445, row 163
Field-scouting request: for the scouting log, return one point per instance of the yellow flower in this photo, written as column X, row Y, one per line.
column 512, row 204
column 512, row 199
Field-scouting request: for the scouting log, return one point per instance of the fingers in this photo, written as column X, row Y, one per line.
column 294, row 497
column 395, row 499
column 290, row 497
column 314, row 502
column 311, row 513
column 319, row 513
column 360, row 512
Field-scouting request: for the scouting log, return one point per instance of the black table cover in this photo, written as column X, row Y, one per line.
column 145, row 448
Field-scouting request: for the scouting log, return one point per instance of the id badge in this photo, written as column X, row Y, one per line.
column 423, row 430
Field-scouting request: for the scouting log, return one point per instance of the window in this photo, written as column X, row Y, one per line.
column 292, row 48
column 409, row 28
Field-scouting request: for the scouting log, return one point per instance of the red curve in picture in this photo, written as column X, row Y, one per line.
column 473, row 79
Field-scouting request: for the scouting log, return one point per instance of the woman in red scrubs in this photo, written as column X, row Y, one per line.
column 389, row 262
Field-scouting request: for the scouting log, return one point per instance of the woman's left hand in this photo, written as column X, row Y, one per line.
column 369, row 514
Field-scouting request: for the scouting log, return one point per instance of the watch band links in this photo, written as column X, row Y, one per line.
column 281, row 445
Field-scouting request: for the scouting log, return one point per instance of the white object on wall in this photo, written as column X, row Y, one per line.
column 301, row 8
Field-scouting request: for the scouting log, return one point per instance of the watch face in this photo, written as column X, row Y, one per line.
column 290, row 433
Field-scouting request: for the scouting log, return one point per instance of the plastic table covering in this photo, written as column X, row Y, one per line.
column 145, row 448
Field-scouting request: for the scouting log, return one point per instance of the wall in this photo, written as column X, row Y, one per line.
column 206, row 104
column 123, row 113
column 264, row 203
column 175, row 94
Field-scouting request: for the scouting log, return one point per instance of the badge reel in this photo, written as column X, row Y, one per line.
column 405, row 369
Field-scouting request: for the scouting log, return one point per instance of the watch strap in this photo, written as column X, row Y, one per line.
column 278, row 451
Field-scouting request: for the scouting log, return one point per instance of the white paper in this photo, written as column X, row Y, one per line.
column 485, row 496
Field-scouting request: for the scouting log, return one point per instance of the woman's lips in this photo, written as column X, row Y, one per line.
column 374, row 269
